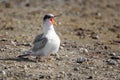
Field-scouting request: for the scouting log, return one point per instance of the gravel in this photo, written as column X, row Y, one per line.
column 89, row 31
column 81, row 59
column 76, row 69
column 111, row 62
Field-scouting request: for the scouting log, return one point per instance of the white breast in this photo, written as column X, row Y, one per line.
column 52, row 45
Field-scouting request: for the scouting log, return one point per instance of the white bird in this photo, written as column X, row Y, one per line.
column 48, row 41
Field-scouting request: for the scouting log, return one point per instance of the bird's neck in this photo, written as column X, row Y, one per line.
column 48, row 27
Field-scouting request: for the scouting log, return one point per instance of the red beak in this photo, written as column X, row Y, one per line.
column 52, row 21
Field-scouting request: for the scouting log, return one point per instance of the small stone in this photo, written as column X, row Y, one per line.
column 62, row 72
column 114, row 57
column 14, row 43
column 112, row 53
column 25, row 67
column 8, row 47
column 81, row 59
column 27, row 44
column 98, row 14
column 83, row 50
column 74, row 46
column 22, row 50
column 41, row 76
column 94, row 36
column 4, row 75
column 81, row 33
column 90, row 77
column 54, row 54
column 76, row 69
column 27, row 4
column 61, row 47
column 2, row 49
column 111, row 62
column 3, row 39
column 59, row 76
column 106, row 47
column 118, row 35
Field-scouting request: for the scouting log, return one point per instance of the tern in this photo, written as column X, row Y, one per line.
column 46, row 43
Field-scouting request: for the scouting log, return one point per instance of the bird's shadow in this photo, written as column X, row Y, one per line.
column 18, row 59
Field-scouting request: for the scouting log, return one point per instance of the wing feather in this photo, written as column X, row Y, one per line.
column 38, row 38
column 39, row 42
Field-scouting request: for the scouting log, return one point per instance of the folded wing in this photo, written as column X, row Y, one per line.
column 39, row 42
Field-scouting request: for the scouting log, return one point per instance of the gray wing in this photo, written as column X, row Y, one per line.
column 38, row 37
column 39, row 42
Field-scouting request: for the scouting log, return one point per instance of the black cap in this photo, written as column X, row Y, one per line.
column 48, row 16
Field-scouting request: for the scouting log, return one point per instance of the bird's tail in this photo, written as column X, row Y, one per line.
column 26, row 53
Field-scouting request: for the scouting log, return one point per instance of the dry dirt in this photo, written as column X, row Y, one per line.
column 90, row 39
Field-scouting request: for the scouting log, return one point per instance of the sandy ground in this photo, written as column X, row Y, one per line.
column 90, row 39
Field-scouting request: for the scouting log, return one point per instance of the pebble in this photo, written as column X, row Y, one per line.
column 27, row 44
column 76, row 69
column 25, row 67
column 41, row 76
column 22, row 50
column 98, row 14
column 27, row 4
column 62, row 72
column 90, row 77
column 2, row 49
column 114, row 57
column 112, row 53
column 3, row 39
column 111, row 62
column 61, row 47
column 54, row 54
column 81, row 34
column 14, row 43
column 84, row 50
column 4, row 75
column 59, row 76
column 94, row 36
column 81, row 59
column 118, row 35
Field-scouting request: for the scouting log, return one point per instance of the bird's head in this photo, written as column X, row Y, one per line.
column 49, row 18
